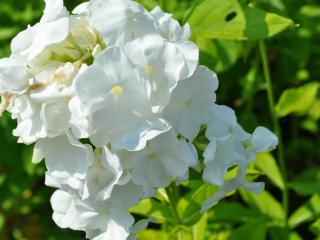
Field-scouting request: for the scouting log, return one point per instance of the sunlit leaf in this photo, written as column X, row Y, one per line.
column 199, row 229
column 152, row 235
column 267, row 164
column 220, row 55
column 297, row 100
column 228, row 19
column 307, row 212
column 266, row 204
column 153, row 209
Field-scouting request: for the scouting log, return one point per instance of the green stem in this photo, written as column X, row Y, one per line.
column 277, row 128
column 173, row 196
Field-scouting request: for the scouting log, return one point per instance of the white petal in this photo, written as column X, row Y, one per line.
column 48, row 33
column 191, row 100
column 13, row 76
column 120, row 21
column 220, row 155
column 103, row 176
column 66, row 154
column 127, row 195
column 221, row 121
column 81, row 9
column 163, row 65
column 263, row 140
column 54, row 9
column 30, row 124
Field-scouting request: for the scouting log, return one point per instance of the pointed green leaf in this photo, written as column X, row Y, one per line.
column 315, row 227
column 199, row 229
column 267, row 205
column 307, row 212
column 250, row 231
column 233, row 212
column 228, row 19
column 297, row 100
column 153, row 209
column 267, row 164
column 307, row 183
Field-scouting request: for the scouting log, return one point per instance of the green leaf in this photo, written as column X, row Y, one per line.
column 297, row 100
column 203, row 193
column 233, row 212
column 305, row 188
column 250, row 231
column 307, row 183
column 190, row 205
column 218, row 54
column 152, row 235
column 277, row 233
column 307, row 212
column 189, row 211
column 310, row 11
column 228, row 19
column 199, row 230
column 314, row 111
column 149, row 4
column 153, row 209
column 267, row 205
column 267, row 164
column 6, row 33
column 315, row 227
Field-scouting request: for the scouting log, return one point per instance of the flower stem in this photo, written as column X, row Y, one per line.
column 277, row 128
column 173, row 196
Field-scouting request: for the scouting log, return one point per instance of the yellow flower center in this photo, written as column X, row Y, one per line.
column 149, row 70
column 117, row 90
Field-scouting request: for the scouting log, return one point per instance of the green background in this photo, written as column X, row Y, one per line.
column 229, row 34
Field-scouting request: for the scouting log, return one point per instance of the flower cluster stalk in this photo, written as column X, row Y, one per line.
column 277, row 128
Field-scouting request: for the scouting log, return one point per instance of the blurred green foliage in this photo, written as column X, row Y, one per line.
column 228, row 34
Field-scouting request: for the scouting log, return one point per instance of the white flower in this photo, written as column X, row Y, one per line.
column 44, row 112
column 112, row 96
column 54, row 10
column 231, row 146
column 13, row 76
column 30, row 124
column 164, row 158
column 103, row 175
column 169, row 27
column 64, row 154
column 100, row 220
column 163, row 64
column 232, row 185
column 221, row 121
column 64, row 180
column 263, row 140
column 127, row 82
column 120, row 21
column 52, row 29
column 219, row 156
column 126, row 195
column 190, row 102
column 82, row 9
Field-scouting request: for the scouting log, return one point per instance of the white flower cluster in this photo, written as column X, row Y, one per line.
column 113, row 96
